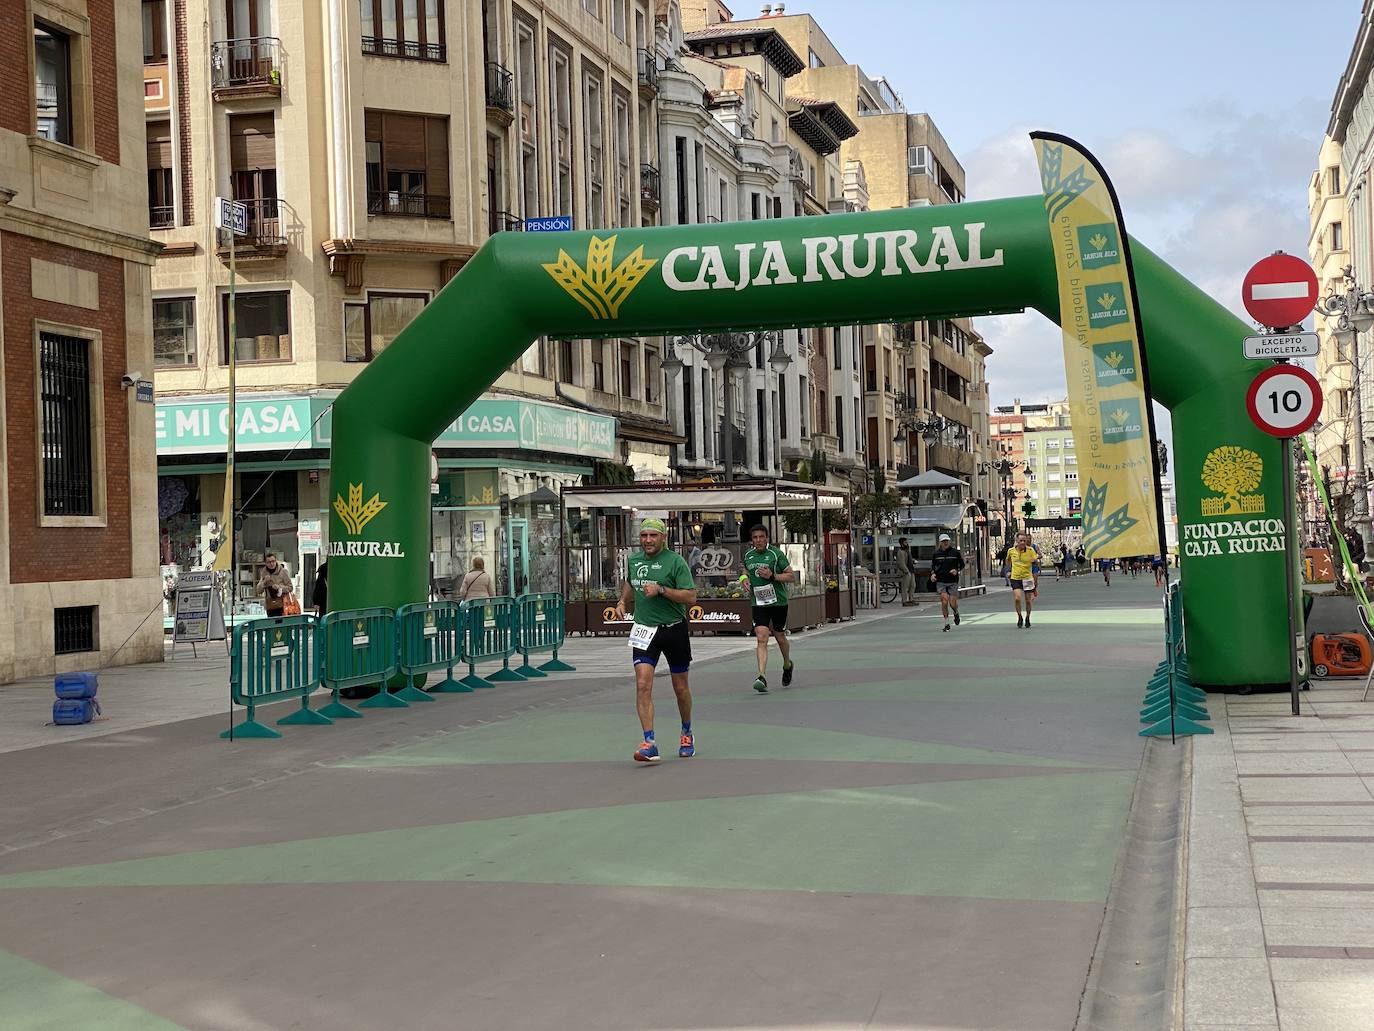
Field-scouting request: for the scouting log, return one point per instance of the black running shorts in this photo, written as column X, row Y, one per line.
column 674, row 643
column 773, row 616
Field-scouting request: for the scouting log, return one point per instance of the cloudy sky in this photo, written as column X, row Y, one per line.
column 1208, row 115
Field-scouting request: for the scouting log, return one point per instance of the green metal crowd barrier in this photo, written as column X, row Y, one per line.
column 490, row 629
column 1173, row 706
column 272, row 660
column 276, row 659
column 541, row 627
column 431, row 639
column 357, row 649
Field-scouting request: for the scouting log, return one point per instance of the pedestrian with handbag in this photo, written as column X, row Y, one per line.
column 276, row 587
column 477, row 582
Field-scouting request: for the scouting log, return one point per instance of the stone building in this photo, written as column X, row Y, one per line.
column 78, row 558
column 375, row 146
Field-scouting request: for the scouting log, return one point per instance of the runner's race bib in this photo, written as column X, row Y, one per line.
column 642, row 636
column 765, row 594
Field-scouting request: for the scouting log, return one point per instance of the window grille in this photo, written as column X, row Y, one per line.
column 74, row 630
column 65, row 376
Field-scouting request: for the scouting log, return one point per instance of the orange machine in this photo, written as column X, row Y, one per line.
column 1341, row 655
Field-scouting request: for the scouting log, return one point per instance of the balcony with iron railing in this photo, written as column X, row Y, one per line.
column 161, row 216
column 500, row 94
column 646, row 65
column 404, row 49
column 650, row 187
column 505, row 222
column 264, row 237
column 45, row 95
column 245, row 68
column 408, row 205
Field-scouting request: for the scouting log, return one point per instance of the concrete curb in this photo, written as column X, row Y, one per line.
column 1134, row 980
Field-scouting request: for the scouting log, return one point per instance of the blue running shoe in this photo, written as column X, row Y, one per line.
column 647, row 753
column 687, row 747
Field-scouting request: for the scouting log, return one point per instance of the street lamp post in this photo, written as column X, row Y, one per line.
column 728, row 353
column 1353, row 311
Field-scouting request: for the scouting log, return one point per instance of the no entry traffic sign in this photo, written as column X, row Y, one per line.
column 1279, row 291
column 1284, row 400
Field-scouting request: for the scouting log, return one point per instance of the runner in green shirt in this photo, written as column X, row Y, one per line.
column 659, row 589
column 767, row 570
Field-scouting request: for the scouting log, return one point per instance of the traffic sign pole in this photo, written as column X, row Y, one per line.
column 1284, row 400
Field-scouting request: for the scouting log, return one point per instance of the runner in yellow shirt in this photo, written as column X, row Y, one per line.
column 1022, row 558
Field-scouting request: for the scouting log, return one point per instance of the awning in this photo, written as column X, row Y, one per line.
column 929, row 479
column 710, row 497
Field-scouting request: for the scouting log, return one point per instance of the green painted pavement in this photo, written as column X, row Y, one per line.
column 1076, row 687
column 1049, row 838
column 39, row 999
column 581, row 736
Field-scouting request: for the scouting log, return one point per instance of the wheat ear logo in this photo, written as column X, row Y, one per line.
column 1098, row 240
column 600, row 288
column 1106, row 301
column 1119, row 416
column 1115, row 359
column 354, row 513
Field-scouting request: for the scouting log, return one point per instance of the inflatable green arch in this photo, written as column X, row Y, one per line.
column 883, row 266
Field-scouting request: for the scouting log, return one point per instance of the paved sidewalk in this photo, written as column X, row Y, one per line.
column 1280, row 926
column 188, row 686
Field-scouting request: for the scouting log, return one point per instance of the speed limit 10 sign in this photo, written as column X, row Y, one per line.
column 1284, row 400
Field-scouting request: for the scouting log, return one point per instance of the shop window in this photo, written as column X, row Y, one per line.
column 407, row 164
column 262, row 330
column 370, row 327
column 67, row 453
column 269, row 493
column 174, row 331
column 52, row 52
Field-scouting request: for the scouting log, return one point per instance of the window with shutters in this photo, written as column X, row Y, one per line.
column 410, row 29
column 620, row 118
column 594, row 147
column 526, row 78
column 253, row 161
column 154, row 31
column 161, row 202
column 560, row 114
column 370, row 327
column 407, row 165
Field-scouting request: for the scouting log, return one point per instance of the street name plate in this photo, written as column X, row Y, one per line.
column 1282, row 345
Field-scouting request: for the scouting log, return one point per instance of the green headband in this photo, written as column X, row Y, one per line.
column 654, row 525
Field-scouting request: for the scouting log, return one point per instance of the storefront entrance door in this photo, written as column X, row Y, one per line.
column 518, row 555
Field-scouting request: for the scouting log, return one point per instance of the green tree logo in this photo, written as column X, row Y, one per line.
column 1234, row 473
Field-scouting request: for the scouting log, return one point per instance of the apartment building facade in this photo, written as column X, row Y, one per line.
column 375, row 145
column 1350, row 130
column 78, row 562
column 1329, row 252
column 736, row 147
column 925, row 400
column 1038, row 440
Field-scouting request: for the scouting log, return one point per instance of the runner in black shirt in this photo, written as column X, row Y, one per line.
column 945, row 565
